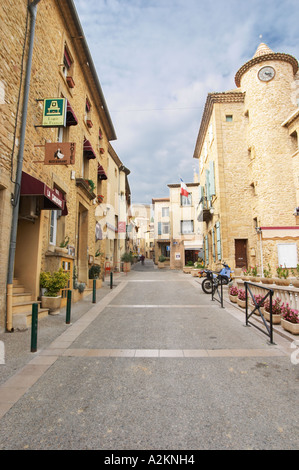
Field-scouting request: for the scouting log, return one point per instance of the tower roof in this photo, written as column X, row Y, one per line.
column 263, row 49
column 264, row 53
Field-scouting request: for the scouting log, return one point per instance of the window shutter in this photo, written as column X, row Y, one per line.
column 206, row 250
column 212, row 179
column 208, row 195
column 218, row 237
column 159, row 228
column 213, row 244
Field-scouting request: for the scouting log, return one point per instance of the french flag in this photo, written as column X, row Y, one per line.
column 184, row 190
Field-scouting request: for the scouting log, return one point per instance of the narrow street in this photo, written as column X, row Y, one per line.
column 154, row 364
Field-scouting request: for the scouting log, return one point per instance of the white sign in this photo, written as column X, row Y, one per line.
column 177, row 256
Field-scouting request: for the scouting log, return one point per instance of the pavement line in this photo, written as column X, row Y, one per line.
column 174, row 353
column 160, row 306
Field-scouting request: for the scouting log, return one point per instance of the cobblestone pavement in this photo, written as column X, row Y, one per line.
column 154, row 364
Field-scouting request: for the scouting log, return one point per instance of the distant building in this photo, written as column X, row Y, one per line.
column 178, row 233
column 247, row 148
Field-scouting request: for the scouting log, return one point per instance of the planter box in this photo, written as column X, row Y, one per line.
column 233, row 298
column 276, row 319
column 187, row 270
column 290, row 327
column 126, row 267
column 51, row 303
column 70, row 82
column 241, row 303
column 267, row 280
column 161, row 265
column 282, row 282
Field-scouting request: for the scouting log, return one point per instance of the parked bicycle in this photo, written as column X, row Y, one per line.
column 212, row 278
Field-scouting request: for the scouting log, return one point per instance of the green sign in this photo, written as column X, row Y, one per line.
column 54, row 114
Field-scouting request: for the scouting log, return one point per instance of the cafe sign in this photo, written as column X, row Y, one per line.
column 54, row 113
column 60, row 153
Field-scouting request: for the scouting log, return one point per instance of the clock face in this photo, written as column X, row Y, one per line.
column 266, row 73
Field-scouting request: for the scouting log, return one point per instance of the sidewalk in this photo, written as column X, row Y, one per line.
column 154, row 364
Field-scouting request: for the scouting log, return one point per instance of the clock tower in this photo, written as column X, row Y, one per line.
column 268, row 83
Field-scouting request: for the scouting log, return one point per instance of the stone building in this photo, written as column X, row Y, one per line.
column 247, row 148
column 177, row 231
column 62, row 155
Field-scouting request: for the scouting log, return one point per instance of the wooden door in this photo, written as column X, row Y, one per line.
column 241, row 253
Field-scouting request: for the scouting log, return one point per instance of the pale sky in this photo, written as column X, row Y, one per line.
column 158, row 59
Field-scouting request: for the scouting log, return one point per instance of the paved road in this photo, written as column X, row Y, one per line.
column 155, row 364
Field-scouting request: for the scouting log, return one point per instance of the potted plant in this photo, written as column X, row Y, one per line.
column 53, row 283
column 241, row 298
column 188, row 267
column 276, row 311
column 267, row 279
column 127, row 259
column 290, row 319
column 254, row 276
column 245, row 274
column 282, row 274
column 258, row 300
column 94, row 274
column 295, row 281
column 233, row 294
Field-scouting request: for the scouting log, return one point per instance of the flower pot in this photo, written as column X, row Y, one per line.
column 282, row 282
column 241, row 303
column 267, row 280
column 51, row 303
column 187, row 269
column 290, row 327
column 126, row 267
column 70, row 82
column 233, row 298
column 276, row 319
column 295, row 283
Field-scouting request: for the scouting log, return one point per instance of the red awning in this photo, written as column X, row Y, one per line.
column 71, row 119
column 88, row 150
column 101, row 173
column 50, row 199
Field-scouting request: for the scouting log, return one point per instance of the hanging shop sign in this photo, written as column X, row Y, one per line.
column 60, row 153
column 54, row 113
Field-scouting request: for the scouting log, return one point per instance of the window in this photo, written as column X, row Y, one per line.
column 229, row 118
column 165, row 211
column 187, row 226
column 68, row 67
column 88, row 113
column 165, row 228
column 53, row 227
column 186, row 201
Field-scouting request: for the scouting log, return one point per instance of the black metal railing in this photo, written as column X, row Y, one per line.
column 216, row 284
column 257, row 306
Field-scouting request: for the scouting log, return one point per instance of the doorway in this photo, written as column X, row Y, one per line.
column 241, row 253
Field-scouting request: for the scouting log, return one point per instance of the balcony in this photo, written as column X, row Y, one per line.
column 205, row 210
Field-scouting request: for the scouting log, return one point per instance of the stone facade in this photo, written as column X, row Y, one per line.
column 61, row 68
column 248, row 164
column 177, row 231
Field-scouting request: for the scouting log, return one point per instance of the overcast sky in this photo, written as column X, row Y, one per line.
column 158, row 59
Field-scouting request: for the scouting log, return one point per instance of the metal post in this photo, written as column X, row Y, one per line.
column 16, row 198
column 111, row 279
column 221, row 292
column 246, row 300
column 34, row 322
column 94, row 291
column 68, row 307
column 271, row 319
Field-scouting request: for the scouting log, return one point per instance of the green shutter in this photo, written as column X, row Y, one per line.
column 212, row 179
column 213, row 244
column 218, row 238
column 207, row 185
column 206, row 250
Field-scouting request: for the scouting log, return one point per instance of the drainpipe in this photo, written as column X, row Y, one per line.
column 16, row 198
